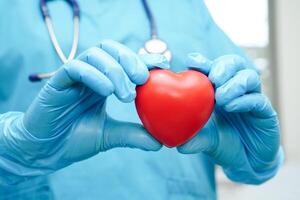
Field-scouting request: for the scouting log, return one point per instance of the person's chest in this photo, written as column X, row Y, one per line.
column 26, row 47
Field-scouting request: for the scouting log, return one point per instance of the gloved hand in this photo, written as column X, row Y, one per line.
column 67, row 121
column 243, row 133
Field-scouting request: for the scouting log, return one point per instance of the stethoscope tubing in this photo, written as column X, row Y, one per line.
column 148, row 47
column 151, row 19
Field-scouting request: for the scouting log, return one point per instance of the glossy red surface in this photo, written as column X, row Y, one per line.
column 173, row 107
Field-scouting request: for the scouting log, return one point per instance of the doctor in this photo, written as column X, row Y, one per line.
column 59, row 137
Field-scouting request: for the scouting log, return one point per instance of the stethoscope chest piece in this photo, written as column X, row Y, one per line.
column 156, row 46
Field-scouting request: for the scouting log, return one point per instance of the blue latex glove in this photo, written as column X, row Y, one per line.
column 67, row 121
column 243, row 133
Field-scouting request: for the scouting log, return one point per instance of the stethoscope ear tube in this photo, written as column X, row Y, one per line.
column 45, row 11
column 41, row 76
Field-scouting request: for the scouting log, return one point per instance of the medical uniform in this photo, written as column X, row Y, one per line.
column 121, row 173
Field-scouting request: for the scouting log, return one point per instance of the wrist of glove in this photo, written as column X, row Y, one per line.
column 19, row 150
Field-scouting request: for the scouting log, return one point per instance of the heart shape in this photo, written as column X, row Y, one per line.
column 173, row 107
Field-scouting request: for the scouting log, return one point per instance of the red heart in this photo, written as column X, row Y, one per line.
column 174, row 106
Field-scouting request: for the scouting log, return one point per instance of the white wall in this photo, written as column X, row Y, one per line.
column 287, row 26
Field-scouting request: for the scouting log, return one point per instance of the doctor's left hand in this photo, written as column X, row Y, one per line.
column 68, row 117
column 242, row 135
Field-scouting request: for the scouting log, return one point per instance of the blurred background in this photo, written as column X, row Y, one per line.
column 269, row 30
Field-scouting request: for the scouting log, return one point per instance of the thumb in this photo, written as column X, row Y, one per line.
column 155, row 61
column 198, row 62
column 205, row 141
column 127, row 134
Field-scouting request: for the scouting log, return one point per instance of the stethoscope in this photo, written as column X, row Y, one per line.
column 152, row 46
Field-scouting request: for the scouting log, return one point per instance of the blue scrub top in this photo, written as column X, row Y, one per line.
column 25, row 48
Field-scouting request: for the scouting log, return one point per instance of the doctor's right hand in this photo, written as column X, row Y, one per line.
column 67, row 122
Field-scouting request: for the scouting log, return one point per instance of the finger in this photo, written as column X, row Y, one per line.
column 125, row 134
column 78, row 71
column 256, row 103
column 124, row 88
column 243, row 82
column 155, row 61
column 224, row 68
column 204, row 141
column 198, row 62
column 136, row 70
